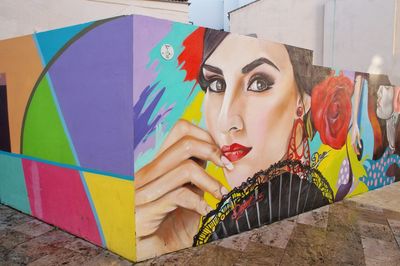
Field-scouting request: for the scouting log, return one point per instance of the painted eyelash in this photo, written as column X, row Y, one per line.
column 268, row 79
column 209, row 80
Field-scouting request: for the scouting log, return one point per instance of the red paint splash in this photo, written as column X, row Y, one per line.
column 192, row 55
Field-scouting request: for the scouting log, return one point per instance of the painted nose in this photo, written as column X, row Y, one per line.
column 235, row 124
column 230, row 119
column 231, row 123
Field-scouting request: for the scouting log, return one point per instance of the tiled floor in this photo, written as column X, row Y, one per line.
column 364, row 230
column 26, row 241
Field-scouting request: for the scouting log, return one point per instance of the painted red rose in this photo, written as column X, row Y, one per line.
column 331, row 109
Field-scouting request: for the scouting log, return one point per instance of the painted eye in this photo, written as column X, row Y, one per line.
column 259, row 84
column 217, row 85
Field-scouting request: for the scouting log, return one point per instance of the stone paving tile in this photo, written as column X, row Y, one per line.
column 306, row 246
column 61, row 256
column 3, row 254
column 346, row 233
column 55, row 238
column 374, row 262
column 382, row 197
column 237, row 242
column 209, row 254
column 364, row 206
column 381, row 250
column 275, row 235
column 395, row 227
column 343, row 239
column 259, row 254
column 318, row 217
column 342, row 222
column 83, row 247
column 16, row 218
column 5, row 211
column 33, row 228
column 10, row 238
column 389, row 214
column 106, row 258
column 30, row 251
column 371, row 216
column 377, row 231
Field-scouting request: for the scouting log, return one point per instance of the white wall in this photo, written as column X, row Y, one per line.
column 21, row 17
column 298, row 23
column 207, row 13
column 230, row 5
column 361, row 35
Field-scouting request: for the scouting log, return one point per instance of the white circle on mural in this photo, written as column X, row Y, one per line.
column 167, row 51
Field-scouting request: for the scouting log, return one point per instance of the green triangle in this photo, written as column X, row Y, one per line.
column 43, row 132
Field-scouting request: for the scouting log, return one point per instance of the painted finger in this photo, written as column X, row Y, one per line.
column 186, row 198
column 184, row 128
column 188, row 172
column 172, row 157
column 149, row 216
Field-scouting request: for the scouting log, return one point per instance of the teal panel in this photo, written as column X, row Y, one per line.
column 50, row 42
column 12, row 184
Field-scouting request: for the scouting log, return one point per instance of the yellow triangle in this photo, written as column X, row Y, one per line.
column 113, row 199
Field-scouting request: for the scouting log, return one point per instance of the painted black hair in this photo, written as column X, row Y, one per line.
column 300, row 58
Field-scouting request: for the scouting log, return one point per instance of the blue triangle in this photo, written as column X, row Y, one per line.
column 50, row 42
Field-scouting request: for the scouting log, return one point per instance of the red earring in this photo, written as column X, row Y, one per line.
column 293, row 150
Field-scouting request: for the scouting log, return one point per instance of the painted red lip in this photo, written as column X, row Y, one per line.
column 235, row 152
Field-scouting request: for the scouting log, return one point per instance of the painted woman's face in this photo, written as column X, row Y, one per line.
column 384, row 108
column 250, row 103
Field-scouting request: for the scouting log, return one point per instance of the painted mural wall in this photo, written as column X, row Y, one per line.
column 147, row 136
column 66, row 131
column 232, row 133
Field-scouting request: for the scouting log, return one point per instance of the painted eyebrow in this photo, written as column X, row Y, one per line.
column 256, row 63
column 216, row 70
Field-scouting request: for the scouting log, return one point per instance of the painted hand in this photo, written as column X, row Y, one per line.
column 169, row 191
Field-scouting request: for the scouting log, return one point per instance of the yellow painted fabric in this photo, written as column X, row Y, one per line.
column 113, row 199
column 193, row 112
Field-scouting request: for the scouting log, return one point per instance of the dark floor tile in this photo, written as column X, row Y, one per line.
column 5, row 212
column 3, row 254
column 61, row 256
column 341, row 214
column 31, row 250
column 372, row 216
column 343, row 238
column 83, row 247
column 237, row 242
column 276, row 234
column 14, row 219
column 38, row 247
column 369, row 207
column 209, row 254
column 259, row 254
column 374, row 262
column 318, row 217
column 33, row 228
column 381, row 250
column 306, row 246
column 389, row 214
column 377, row 231
column 10, row 238
column 107, row 258
column 55, row 238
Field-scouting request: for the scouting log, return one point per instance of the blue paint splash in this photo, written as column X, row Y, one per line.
column 145, row 126
column 376, row 170
column 166, row 100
